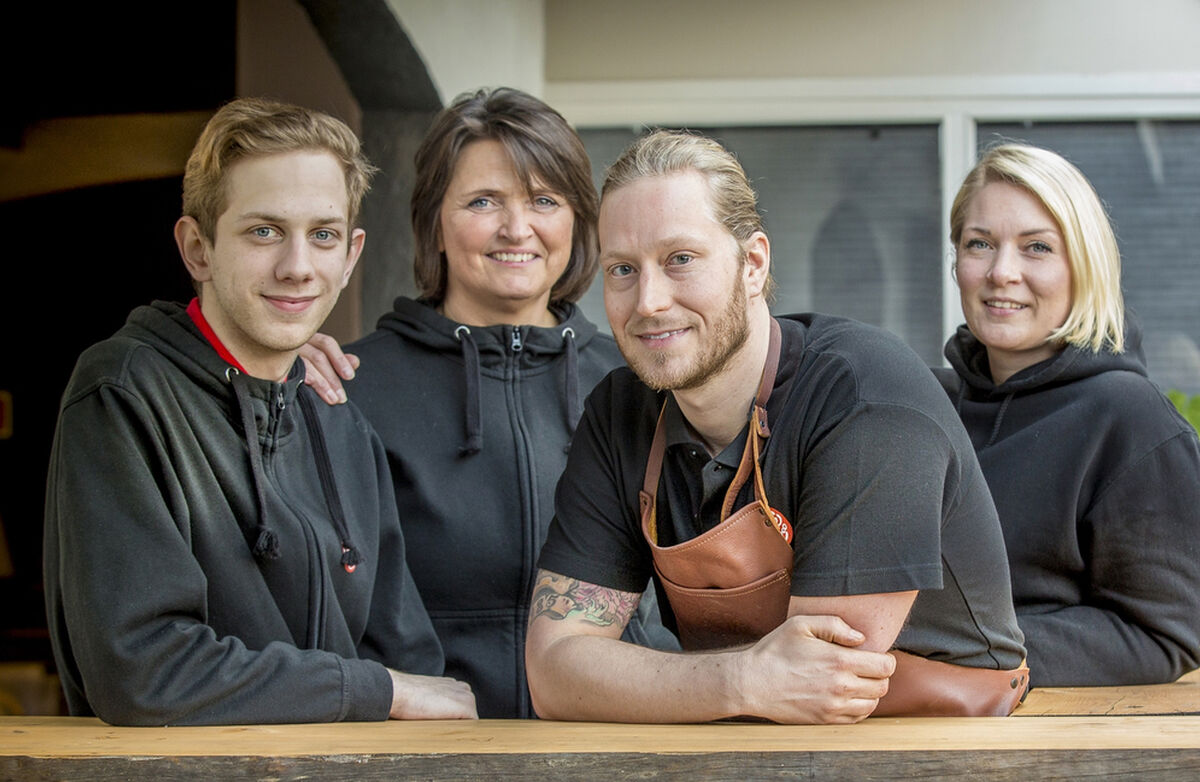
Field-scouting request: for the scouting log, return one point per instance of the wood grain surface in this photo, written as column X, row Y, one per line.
column 1058, row 733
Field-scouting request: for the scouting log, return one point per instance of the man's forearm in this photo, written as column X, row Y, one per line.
column 588, row 677
column 579, row 669
column 804, row 671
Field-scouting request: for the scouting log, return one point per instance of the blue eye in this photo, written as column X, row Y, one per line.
column 324, row 235
column 975, row 244
column 682, row 258
column 480, row 203
column 264, row 232
column 544, row 202
column 1041, row 247
column 620, row 270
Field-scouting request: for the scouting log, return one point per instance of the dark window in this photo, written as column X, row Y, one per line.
column 853, row 214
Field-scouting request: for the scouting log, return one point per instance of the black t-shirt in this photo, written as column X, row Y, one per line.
column 868, row 462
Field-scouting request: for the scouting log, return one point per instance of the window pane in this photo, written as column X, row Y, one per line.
column 1148, row 175
column 853, row 217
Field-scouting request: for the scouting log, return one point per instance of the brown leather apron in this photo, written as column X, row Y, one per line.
column 731, row 585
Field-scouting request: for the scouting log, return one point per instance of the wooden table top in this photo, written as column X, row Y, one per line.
column 1181, row 697
column 1072, row 732
column 86, row 737
column 1164, row 715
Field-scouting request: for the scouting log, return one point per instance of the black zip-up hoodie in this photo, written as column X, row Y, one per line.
column 1096, row 478
column 476, row 422
column 219, row 548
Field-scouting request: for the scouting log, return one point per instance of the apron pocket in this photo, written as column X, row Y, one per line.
column 716, row 618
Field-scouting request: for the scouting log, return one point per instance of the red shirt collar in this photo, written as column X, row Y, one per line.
column 193, row 311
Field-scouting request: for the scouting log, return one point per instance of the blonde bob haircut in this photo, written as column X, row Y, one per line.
column 254, row 127
column 1097, row 316
column 543, row 149
column 734, row 202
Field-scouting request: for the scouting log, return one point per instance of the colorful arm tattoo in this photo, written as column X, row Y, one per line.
column 558, row 597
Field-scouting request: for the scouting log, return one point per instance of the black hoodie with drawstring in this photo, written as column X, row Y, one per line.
column 219, row 548
column 476, row 422
column 1096, row 478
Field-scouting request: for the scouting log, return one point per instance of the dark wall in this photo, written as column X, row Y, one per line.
column 84, row 59
column 76, row 262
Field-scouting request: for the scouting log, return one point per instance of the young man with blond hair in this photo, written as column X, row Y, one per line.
column 220, row 549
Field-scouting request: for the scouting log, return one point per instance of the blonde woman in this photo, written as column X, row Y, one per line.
column 1095, row 476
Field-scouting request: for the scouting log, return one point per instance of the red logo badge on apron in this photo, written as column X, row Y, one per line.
column 781, row 524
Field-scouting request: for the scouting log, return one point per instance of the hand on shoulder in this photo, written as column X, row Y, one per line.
column 325, row 366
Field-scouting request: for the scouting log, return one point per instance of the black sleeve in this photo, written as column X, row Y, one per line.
column 596, row 533
column 1140, row 622
column 870, row 505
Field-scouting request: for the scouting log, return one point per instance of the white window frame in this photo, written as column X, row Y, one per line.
column 955, row 104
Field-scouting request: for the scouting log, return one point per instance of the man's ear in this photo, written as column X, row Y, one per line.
column 193, row 248
column 757, row 267
column 357, row 237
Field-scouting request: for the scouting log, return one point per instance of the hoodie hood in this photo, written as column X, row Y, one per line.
column 971, row 379
column 168, row 328
column 968, row 357
column 490, row 348
column 418, row 320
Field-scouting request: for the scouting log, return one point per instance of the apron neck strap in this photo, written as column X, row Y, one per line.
column 759, row 432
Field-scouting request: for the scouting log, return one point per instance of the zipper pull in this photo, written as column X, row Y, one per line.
column 517, row 344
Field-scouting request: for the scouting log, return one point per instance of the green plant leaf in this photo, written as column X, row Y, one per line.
column 1188, row 407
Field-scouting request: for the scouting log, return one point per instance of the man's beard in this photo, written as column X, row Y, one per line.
column 729, row 333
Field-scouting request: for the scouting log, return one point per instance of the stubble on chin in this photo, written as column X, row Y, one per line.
column 651, row 369
column 654, row 368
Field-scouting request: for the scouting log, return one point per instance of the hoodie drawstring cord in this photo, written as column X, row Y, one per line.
column 572, row 403
column 266, row 542
column 473, row 443
column 571, row 368
column 351, row 557
column 958, row 403
column 999, row 420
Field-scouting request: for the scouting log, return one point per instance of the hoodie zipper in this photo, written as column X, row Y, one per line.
column 317, row 598
column 274, row 415
column 525, row 476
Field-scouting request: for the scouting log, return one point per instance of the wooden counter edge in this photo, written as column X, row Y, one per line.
column 67, row 737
